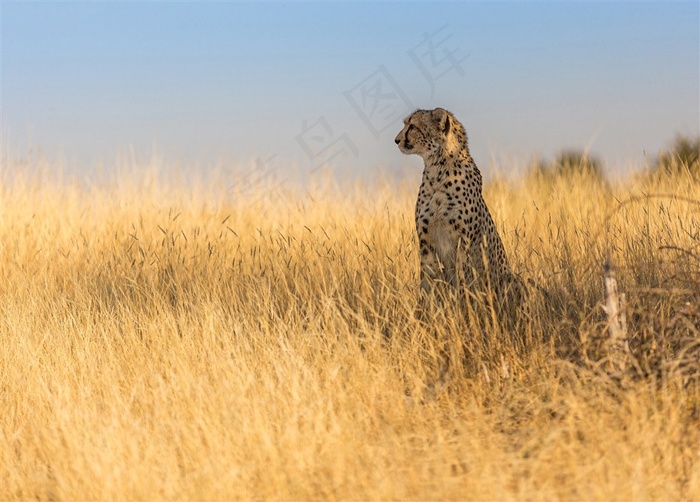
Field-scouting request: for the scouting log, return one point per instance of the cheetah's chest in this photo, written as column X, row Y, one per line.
column 434, row 223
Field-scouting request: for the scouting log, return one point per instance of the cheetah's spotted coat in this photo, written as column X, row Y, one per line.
column 459, row 242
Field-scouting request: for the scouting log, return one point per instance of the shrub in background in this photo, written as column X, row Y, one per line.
column 683, row 156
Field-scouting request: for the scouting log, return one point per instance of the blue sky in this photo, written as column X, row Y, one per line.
column 309, row 83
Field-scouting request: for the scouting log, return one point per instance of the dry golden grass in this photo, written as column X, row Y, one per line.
column 189, row 341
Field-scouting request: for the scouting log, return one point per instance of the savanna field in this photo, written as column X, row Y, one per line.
column 204, row 338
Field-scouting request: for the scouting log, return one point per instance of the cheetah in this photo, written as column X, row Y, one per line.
column 458, row 240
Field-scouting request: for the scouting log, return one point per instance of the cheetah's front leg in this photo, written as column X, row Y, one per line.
column 429, row 267
column 431, row 282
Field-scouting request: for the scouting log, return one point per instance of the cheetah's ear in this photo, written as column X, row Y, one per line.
column 442, row 117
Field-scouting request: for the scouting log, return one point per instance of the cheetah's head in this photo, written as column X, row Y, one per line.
column 430, row 132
